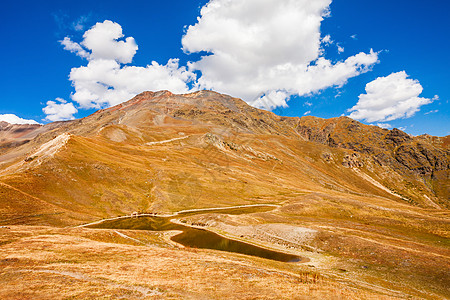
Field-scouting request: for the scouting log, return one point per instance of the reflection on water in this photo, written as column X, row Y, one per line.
column 198, row 238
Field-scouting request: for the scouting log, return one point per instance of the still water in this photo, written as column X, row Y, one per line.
column 200, row 238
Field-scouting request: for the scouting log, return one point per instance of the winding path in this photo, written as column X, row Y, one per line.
column 176, row 213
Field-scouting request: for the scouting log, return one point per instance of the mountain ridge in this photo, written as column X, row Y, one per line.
column 416, row 169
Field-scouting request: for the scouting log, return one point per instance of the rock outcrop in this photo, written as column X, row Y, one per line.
column 387, row 147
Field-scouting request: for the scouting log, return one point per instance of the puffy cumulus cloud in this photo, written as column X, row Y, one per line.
column 102, row 42
column 389, row 98
column 13, row 119
column 267, row 46
column 59, row 110
column 107, row 80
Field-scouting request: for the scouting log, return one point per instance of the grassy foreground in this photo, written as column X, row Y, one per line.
column 50, row 263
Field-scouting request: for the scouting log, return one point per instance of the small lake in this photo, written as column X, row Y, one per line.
column 200, row 238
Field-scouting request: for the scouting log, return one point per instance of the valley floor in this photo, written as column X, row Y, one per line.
column 81, row 263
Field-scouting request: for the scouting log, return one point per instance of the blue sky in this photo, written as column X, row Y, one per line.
column 254, row 49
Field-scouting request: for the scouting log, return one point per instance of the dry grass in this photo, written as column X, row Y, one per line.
column 49, row 263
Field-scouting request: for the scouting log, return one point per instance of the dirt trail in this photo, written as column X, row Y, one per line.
column 369, row 286
column 223, row 208
column 20, row 191
column 167, row 141
column 129, row 237
column 376, row 183
column 55, row 208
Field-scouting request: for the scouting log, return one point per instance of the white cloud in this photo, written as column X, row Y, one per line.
column 105, row 81
column 384, row 125
column 307, row 112
column 326, row 40
column 59, row 110
column 338, row 94
column 74, row 47
column 389, row 98
column 266, row 46
column 271, row 100
column 432, row 112
column 13, row 119
column 103, row 42
column 78, row 26
column 340, row 48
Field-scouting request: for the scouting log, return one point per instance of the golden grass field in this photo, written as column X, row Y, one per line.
column 49, row 263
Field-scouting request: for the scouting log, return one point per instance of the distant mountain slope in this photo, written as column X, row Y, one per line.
column 13, row 135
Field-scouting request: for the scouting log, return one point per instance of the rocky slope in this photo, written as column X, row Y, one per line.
column 423, row 155
column 423, row 161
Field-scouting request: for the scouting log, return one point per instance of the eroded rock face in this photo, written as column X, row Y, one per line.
column 422, row 158
column 314, row 134
column 397, row 137
column 425, row 159
column 393, row 148
column 352, row 161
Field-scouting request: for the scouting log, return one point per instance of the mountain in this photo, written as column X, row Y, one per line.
column 374, row 197
column 12, row 135
column 221, row 143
